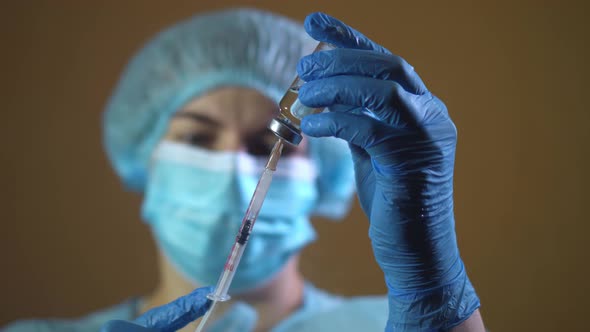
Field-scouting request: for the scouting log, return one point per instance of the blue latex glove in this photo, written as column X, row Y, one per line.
column 403, row 152
column 169, row 317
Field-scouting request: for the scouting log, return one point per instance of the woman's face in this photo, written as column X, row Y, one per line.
column 228, row 119
column 195, row 219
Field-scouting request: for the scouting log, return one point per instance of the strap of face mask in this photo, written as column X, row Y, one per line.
column 188, row 155
column 293, row 167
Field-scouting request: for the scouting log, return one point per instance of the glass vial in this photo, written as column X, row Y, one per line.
column 287, row 124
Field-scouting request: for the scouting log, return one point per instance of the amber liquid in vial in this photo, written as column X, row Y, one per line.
column 287, row 125
column 293, row 109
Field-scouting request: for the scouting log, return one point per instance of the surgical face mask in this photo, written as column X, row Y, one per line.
column 195, row 200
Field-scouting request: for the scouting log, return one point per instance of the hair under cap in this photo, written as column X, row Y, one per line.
column 239, row 47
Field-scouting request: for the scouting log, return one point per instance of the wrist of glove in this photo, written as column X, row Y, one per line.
column 403, row 147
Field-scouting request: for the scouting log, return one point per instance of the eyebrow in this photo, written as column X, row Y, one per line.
column 198, row 118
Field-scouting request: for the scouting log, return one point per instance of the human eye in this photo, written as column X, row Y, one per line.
column 203, row 140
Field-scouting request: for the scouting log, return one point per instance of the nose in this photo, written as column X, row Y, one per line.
column 230, row 140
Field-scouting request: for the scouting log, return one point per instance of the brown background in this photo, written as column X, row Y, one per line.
column 514, row 77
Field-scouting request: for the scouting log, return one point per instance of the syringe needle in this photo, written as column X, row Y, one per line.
column 233, row 260
column 275, row 154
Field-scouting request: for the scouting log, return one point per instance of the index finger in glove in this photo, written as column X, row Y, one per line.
column 327, row 29
column 366, row 63
column 178, row 313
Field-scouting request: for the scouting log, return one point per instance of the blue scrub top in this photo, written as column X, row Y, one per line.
column 320, row 311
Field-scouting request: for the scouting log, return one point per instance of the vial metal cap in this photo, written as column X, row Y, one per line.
column 285, row 131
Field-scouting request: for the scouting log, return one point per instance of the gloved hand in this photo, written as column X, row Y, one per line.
column 403, row 147
column 170, row 317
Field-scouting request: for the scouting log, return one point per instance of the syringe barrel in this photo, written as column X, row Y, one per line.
column 225, row 279
column 287, row 124
column 237, row 250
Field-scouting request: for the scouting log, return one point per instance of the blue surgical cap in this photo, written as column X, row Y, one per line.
column 238, row 47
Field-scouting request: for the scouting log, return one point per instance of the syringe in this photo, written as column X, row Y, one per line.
column 287, row 128
column 233, row 260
